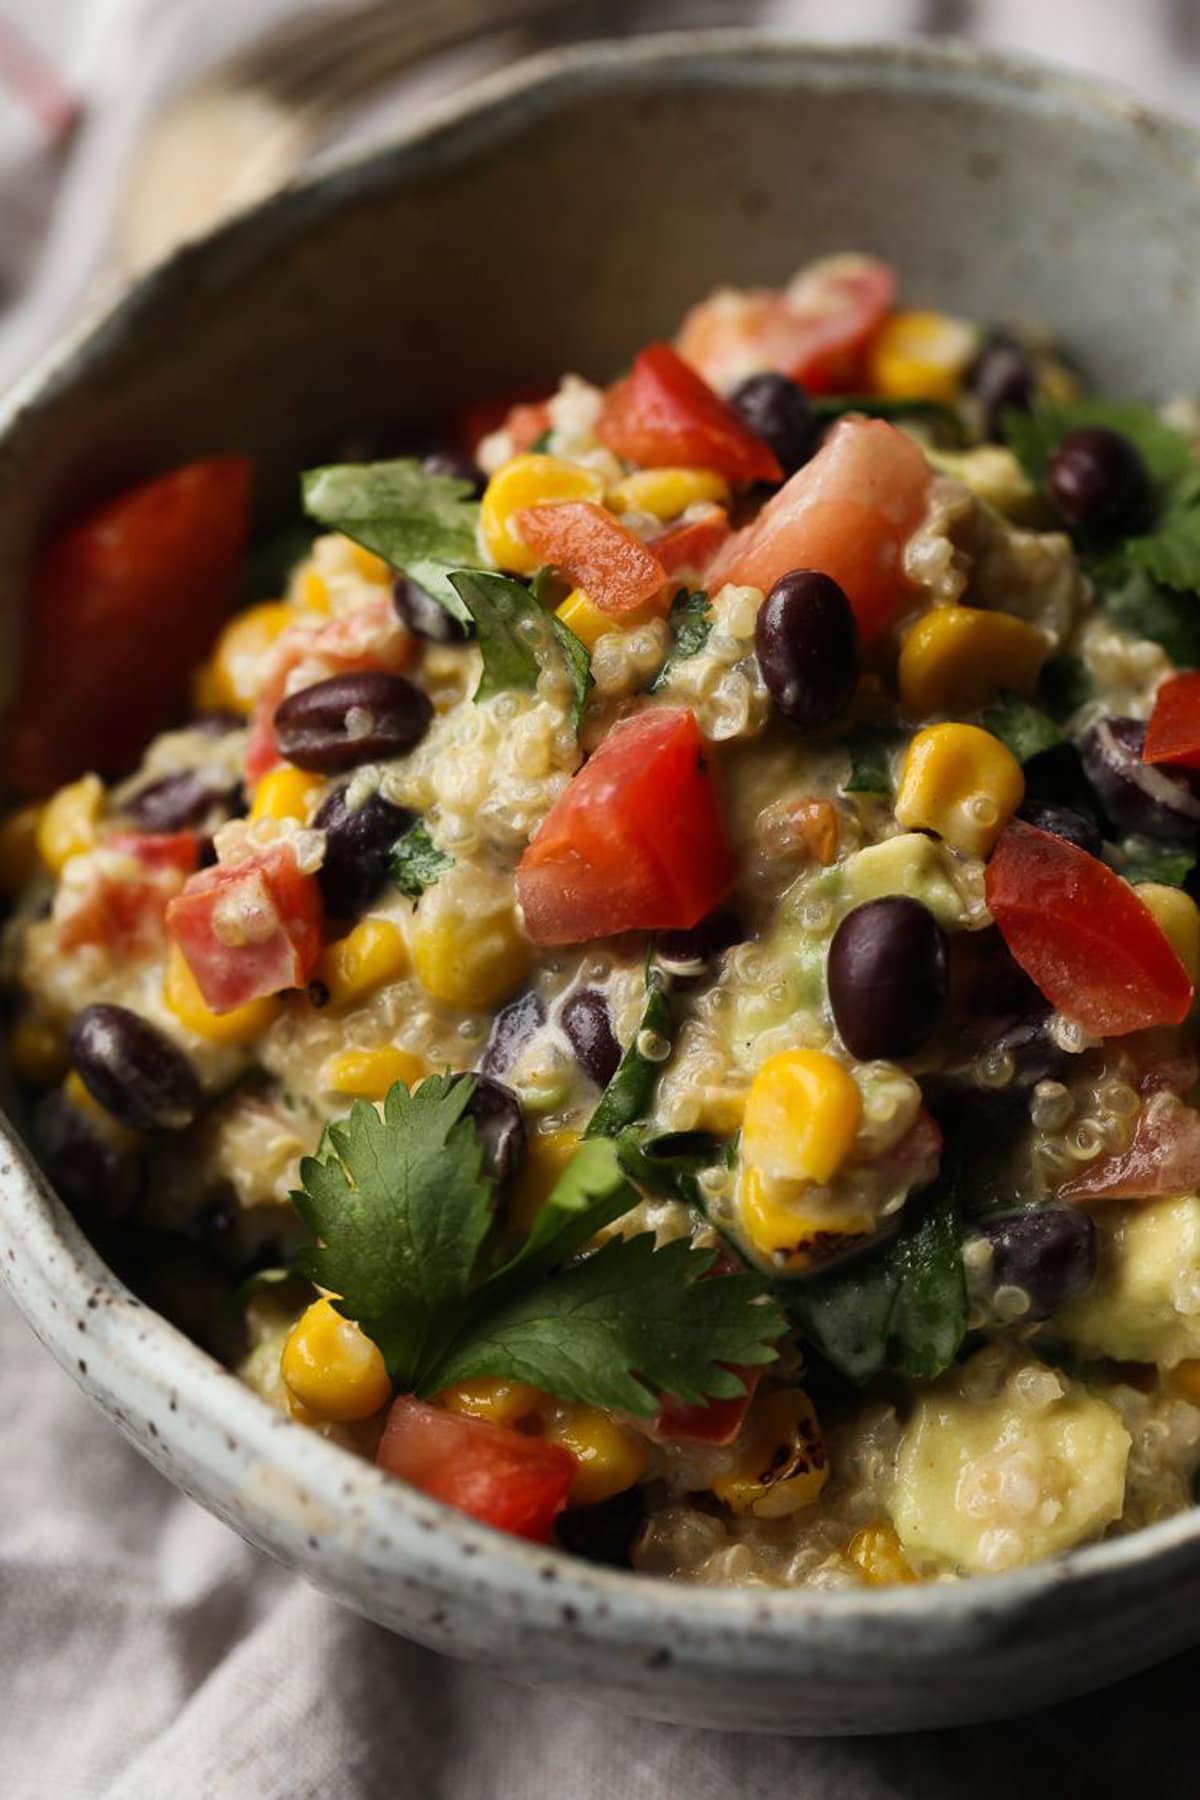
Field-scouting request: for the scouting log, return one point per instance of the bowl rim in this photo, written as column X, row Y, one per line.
column 63, row 1287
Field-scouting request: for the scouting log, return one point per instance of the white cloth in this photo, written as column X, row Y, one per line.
column 145, row 1652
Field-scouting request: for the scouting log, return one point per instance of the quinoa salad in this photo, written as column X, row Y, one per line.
column 635, row 964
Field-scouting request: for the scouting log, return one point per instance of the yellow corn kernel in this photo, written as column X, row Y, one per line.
column 182, row 996
column 494, row 1398
column 585, row 619
column 802, row 1114
column 18, row 849
column 110, row 1129
column 470, row 962
column 529, row 480
column 610, row 1457
column 958, row 658
column 780, row 1464
column 546, row 1156
column 67, row 824
column 1184, row 1378
column 961, row 783
column 665, row 493
column 314, row 591
column 228, row 681
column 369, row 1074
column 922, row 356
column 876, row 1551
column 365, row 959
column 286, row 793
column 37, row 1050
column 785, row 1233
column 1178, row 918
column 370, row 566
column 331, row 1367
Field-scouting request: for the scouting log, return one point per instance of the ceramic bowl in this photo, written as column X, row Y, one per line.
column 556, row 218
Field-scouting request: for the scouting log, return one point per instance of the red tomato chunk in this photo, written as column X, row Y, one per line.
column 248, row 929
column 664, row 413
column 1083, row 936
column 499, row 1476
column 1173, row 734
column 596, row 552
column 635, row 843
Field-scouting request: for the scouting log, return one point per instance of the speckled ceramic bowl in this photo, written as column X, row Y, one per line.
column 556, row 218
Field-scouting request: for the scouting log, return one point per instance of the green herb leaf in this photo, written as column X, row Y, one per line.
column 622, row 1327
column 423, row 524
column 870, row 764
column 517, row 636
column 402, row 1206
column 1147, row 610
column 628, row 1095
column 579, row 665
column 1021, row 727
column 690, row 621
column 1066, row 686
column 589, row 1194
column 929, row 1319
column 1140, row 860
column 669, row 1162
column 541, row 443
column 887, row 406
column 416, row 862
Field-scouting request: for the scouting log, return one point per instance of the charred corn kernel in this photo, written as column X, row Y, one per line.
column 786, row 1233
column 529, row 480
column 609, row 1456
column 547, row 1155
column 18, row 849
column 585, row 619
column 922, row 356
column 802, row 1114
column 182, row 996
column 229, row 680
column 370, row 566
column 1178, row 918
column 84, row 1101
column 331, row 1366
column 780, row 1464
column 961, row 783
column 1184, row 1378
column 369, row 1074
column 314, row 591
column 470, row 962
column 876, row 1551
column 665, row 493
column 958, row 658
column 492, row 1397
column 37, row 1050
column 285, row 793
column 67, row 824
column 371, row 955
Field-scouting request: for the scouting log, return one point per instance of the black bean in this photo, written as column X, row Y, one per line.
column 358, row 843
column 1063, row 822
column 1003, row 380
column 986, row 981
column 93, row 1176
column 887, row 976
column 807, row 645
column 1057, row 776
column 190, row 797
column 351, row 719
column 686, row 952
column 512, row 1029
column 778, row 410
column 1034, row 1054
column 426, row 617
column 585, row 1018
column 454, row 463
column 501, row 1126
column 606, row 1532
column 1049, row 1252
column 1098, row 480
column 1148, row 798
column 133, row 1070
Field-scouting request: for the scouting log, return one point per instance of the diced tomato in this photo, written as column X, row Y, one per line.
column 692, row 543
column 619, row 573
column 1162, row 1162
column 159, row 849
column 817, row 331
column 849, row 513
column 636, row 842
column 125, row 604
column 714, row 1422
column 1173, row 734
column 248, row 929
column 522, row 413
column 1083, row 936
column 119, row 906
column 663, row 413
column 499, row 1476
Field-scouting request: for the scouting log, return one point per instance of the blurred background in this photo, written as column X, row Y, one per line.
column 126, row 125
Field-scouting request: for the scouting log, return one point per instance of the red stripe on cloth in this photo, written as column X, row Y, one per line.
column 27, row 74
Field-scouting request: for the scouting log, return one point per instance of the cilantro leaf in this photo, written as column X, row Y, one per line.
column 870, row 764
column 402, row 1207
column 1147, row 610
column 1021, row 727
column 669, row 1162
column 423, row 524
column 518, row 636
column 690, row 621
column 1140, row 860
column 416, row 862
column 589, row 1194
column 829, row 408
column 622, row 1327
column 629, row 1093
